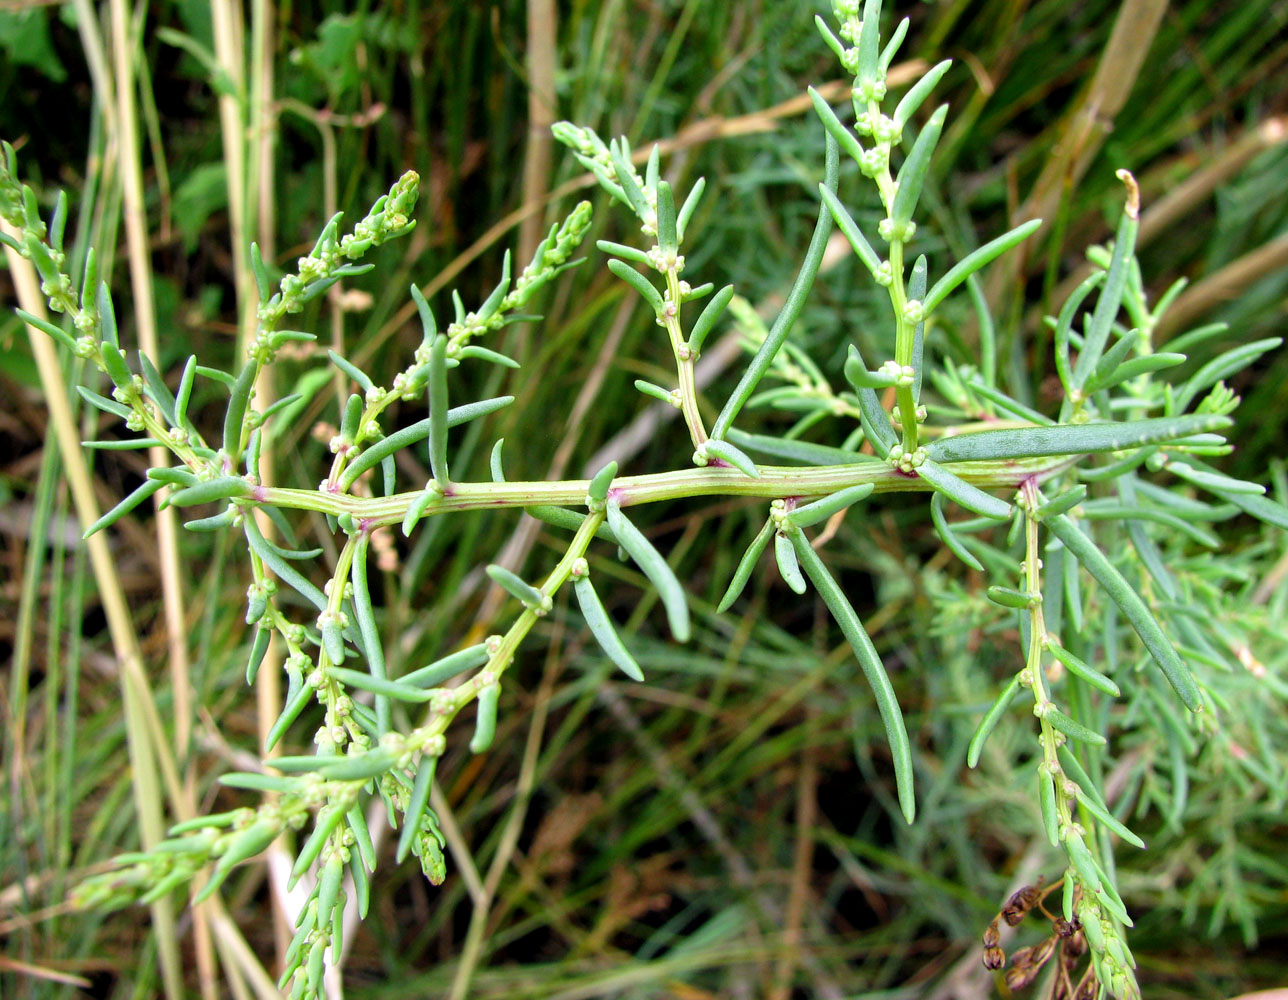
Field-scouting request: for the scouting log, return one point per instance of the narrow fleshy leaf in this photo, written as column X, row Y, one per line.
column 223, row 378
column 332, row 639
column 47, row 328
column 870, row 42
column 1262, row 508
column 833, row 43
column 666, row 225
column 211, row 523
column 963, row 493
column 357, row 766
column 850, row 230
column 562, row 517
column 412, row 433
column 689, row 207
column 527, row 595
column 917, row 94
column 399, row 690
column 648, row 559
column 862, row 379
column 835, row 128
column 745, row 565
column 1084, row 670
column 448, row 667
column 1130, row 604
column 917, row 291
column 821, row 510
column 223, row 488
column 656, row 391
column 892, row 46
column 788, row 564
column 912, row 175
column 103, row 403
column 732, row 455
column 438, row 411
column 1063, row 503
column 974, row 260
column 887, row 704
column 707, row 319
column 1083, row 863
column 621, row 156
column 155, row 387
column 1107, row 510
column 236, row 413
column 427, row 321
column 1222, row 366
column 1134, row 368
column 281, row 568
column 875, row 421
column 416, row 805
column 1006, row 597
column 1070, row 439
column 493, row 302
column 1213, row 481
column 114, row 364
column 107, row 316
column 258, row 649
column 1073, row 729
column 183, row 394
column 242, row 846
column 130, row 444
column 416, row 510
column 1105, row 816
column 1111, row 296
column 327, row 823
column 991, row 718
column 141, row 493
column 352, row 416
column 638, row 282
column 602, row 628
column 795, row 451
column 257, row 268
column 765, row 354
column 484, row 354
column 1046, row 801
column 598, row 490
column 949, row 536
column 623, row 251
column 361, row 378
column 485, row 721
column 361, row 885
column 1064, row 326
column 260, row 782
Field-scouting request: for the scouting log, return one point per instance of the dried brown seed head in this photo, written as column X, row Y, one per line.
column 994, row 958
column 1020, row 903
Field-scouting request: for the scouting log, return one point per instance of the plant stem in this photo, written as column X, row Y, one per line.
column 683, row 360
column 774, row 482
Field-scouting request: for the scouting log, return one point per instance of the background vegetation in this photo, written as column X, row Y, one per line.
column 727, row 828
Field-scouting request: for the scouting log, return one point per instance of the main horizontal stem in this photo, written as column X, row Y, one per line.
column 773, row 482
